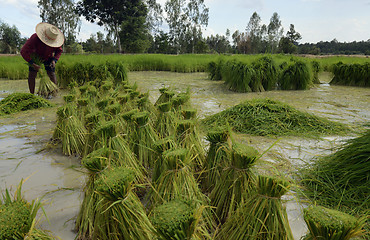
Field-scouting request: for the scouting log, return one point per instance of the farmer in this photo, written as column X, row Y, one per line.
column 45, row 44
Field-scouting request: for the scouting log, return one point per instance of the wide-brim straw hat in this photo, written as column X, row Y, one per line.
column 49, row 34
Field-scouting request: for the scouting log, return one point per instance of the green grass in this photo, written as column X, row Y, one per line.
column 17, row 102
column 265, row 117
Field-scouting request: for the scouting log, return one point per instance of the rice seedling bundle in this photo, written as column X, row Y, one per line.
column 177, row 219
column 166, row 96
column 47, row 88
column 113, row 109
column 145, row 138
column 69, row 98
column 341, row 179
column 72, row 133
column 214, row 69
column 95, row 162
column 144, row 104
column 261, row 216
column 188, row 137
column 324, row 223
column 17, row 102
column 176, row 179
column 238, row 76
column 296, row 76
column 121, row 214
column 159, row 148
column 239, row 180
column 189, row 113
column 106, row 86
column 267, row 72
column 118, row 71
column 269, row 117
column 218, row 156
column 104, row 132
column 351, row 74
column 17, row 216
column 316, row 68
column 166, row 122
column 83, row 102
column 181, row 100
column 123, row 98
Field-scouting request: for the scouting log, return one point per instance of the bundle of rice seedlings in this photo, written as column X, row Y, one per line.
column 17, row 102
column 166, row 122
column 112, row 110
column 214, row 69
column 261, row 216
column 217, row 157
column 269, row 117
column 121, row 214
column 118, row 71
column 83, row 102
column 296, row 76
column 145, row 138
column 103, row 103
column 17, row 216
column 123, row 98
column 47, row 88
column 94, row 162
column 166, row 96
column 351, row 74
column 189, row 113
column 239, row 180
column 104, row 132
column 176, row 179
column 69, row 98
column 181, row 100
column 106, row 86
column 83, row 89
column 72, row 135
column 239, row 77
column 188, row 137
column 267, row 72
column 316, row 68
column 159, row 148
column 341, row 180
column 324, row 223
column 62, row 114
column 178, row 219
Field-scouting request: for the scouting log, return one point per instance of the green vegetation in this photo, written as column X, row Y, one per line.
column 17, row 102
column 351, row 74
column 324, row 223
column 268, row 117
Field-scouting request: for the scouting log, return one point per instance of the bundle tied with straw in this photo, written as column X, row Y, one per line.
column 166, row 122
column 166, row 96
column 104, row 132
column 329, row 224
column 159, row 148
column 217, row 157
column 94, row 162
column 177, row 219
column 130, row 220
column 262, row 216
column 145, row 138
column 239, row 180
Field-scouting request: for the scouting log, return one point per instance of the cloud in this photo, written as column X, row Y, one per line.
column 26, row 7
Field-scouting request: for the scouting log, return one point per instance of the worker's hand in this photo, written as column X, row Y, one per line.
column 52, row 64
column 36, row 67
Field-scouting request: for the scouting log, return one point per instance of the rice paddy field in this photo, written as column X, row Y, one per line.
column 62, row 176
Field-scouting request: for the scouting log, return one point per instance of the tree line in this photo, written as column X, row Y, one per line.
column 137, row 26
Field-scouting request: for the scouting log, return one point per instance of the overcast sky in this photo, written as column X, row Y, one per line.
column 316, row 20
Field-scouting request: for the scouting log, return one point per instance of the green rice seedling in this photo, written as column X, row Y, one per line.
column 103, row 103
column 181, row 100
column 296, row 76
column 104, row 133
column 166, row 122
column 239, row 77
column 341, row 180
column 17, row 102
column 17, row 216
column 324, row 223
column 269, row 117
column 188, row 137
column 316, row 68
column 262, row 216
column 351, row 74
column 69, row 98
column 118, row 71
column 122, row 216
column 113, row 110
column 145, row 138
column 189, row 113
column 214, row 69
column 217, row 157
column 72, row 133
column 39, row 234
column 238, row 178
column 159, row 148
column 178, row 219
column 94, row 162
column 82, row 102
column 267, row 72
column 83, row 89
column 47, row 88
column 106, row 86
column 166, row 96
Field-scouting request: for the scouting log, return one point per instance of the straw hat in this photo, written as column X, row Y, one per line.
column 50, row 34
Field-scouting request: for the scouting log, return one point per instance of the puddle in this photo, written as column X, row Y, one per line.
column 53, row 175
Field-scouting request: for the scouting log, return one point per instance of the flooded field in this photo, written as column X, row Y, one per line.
column 59, row 180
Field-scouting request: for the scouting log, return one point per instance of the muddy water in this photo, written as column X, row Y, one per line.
column 57, row 178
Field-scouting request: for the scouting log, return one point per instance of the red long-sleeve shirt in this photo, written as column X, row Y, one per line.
column 36, row 46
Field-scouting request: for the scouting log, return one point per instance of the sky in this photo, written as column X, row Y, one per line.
column 315, row 20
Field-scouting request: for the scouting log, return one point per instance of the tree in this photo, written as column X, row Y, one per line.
column 61, row 13
column 256, row 32
column 289, row 43
column 292, row 35
column 185, row 20
column 242, row 42
column 275, row 32
column 10, row 38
